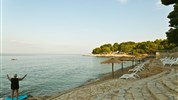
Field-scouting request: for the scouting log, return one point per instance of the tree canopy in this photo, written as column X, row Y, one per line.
column 130, row 47
column 172, row 34
column 168, row 2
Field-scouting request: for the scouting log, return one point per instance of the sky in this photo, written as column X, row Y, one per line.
column 79, row 26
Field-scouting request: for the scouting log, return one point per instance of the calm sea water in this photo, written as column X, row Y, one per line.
column 50, row 74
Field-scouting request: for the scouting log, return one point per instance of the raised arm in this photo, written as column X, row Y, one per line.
column 20, row 79
column 8, row 77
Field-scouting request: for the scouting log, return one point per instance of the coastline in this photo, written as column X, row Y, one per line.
column 109, row 55
column 124, row 55
column 101, row 79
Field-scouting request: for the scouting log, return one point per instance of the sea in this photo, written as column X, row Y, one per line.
column 49, row 74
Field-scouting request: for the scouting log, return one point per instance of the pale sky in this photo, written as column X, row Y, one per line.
column 78, row 26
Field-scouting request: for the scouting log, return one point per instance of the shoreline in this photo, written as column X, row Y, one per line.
column 108, row 55
column 151, row 69
column 101, row 78
column 124, row 56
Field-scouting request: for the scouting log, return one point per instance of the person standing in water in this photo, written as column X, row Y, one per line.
column 15, row 85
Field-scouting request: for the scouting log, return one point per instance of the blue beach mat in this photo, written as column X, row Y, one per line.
column 21, row 97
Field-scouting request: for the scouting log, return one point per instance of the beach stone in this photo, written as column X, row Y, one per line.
column 145, row 92
column 138, row 96
column 129, row 99
column 93, row 97
column 106, row 99
column 121, row 91
column 115, row 98
column 170, row 85
column 161, row 97
column 121, row 98
column 176, row 89
column 161, row 87
column 99, row 96
column 128, row 96
column 153, row 89
column 175, row 97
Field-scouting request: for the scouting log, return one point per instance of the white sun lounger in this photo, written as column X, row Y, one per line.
column 137, row 68
column 168, row 60
column 128, row 76
column 174, row 61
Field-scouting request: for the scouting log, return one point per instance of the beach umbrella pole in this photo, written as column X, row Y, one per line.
column 113, row 70
column 112, row 61
column 122, row 68
column 132, row 62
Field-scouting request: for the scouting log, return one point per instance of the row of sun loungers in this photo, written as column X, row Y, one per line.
column 169, row 60
column 134, row 71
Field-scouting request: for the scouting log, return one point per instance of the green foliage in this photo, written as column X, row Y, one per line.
column 96, row 51
column 173, row 16
column 115, row 47
column 166, row 45
column 135, row 52
column 158, row 44
column 103, row 49
column 127, row 46
column 148, row 47
column 168, row 2
column 106, row 50
column 172, row 34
